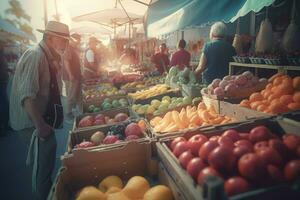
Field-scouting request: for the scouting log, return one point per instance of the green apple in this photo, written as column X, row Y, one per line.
column 166, row 98
column 187, row 100
column 155, row 103
column 151, row 110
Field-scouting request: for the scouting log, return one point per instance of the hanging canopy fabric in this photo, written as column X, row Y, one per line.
column 251, row 5
column 166, row 16
column 90, row 28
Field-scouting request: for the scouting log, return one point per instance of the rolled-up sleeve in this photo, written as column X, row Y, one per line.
column 29, row 77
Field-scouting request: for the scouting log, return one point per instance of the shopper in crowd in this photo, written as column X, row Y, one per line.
column 129, row 57
column 4, row 76
column 216, row 55
column 72, row 75
column 161, row 59
column 181, row 57
column 91, row 60
column 35, row 103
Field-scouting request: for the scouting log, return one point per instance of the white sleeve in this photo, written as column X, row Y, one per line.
column 90, row 56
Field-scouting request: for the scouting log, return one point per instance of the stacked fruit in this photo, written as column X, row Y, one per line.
column 157, row 107
column 230, row 85
column 101, row 119
column 121, row 132
column 282, row 94
column 99, row 92
column 189, row 117
column 150, row 92
column 144, row 83
column 244, row 160
column 137, row 187
column 108, row 104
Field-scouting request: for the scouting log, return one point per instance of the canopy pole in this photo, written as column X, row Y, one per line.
column 45, row 13
column 141, row 2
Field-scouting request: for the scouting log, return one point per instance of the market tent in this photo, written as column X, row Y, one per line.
column 90, row 28
column 166, row 16
column 7, row 27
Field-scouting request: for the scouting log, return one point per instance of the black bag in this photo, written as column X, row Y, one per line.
column 54, row 112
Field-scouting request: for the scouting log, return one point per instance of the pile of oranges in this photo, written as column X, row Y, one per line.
column 282, row 94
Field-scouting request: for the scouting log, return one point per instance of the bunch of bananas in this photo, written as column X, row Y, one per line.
column 150, row 92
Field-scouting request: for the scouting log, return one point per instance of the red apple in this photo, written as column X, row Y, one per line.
column 280, row 147
column 236, row 185
column 270, row 156
column 206, row 148
column 292, row 170
column 222, row 159
column 214, row 138
column 207, row 171
column 185, row 158
column 110, row 139
column 260, row 145
column 179, row 148
column 259, row 133
column 133, row 129
column 243, row 143
column 196, row 142
column 275, row 173
column 195, row 166
column 239, row 151
column 226, row 141
column 244, row 136
column 233, row 134
column 100, row 117
column 175, row 141
column 292, row 142
column 99, row 122
column 252, row 167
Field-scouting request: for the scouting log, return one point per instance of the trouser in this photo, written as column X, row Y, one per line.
column 41, row 156
column 73, row 91
column 4, row 116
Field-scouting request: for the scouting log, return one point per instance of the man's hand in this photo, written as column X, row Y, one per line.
column 44, row 130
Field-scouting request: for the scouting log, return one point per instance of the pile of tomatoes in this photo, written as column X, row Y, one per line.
column 245, row 161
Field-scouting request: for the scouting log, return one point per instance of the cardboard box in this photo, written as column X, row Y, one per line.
column 193, row 191
column 76, row 137
column 134, row 159
column 110, row 113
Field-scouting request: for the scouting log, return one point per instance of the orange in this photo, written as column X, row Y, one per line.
column 245, row 103
column 286, row 99
column 275, row 76
column 275, row 100
column 296, row 97
column 256, row 97
column 142, row 125
column 269, row 86
column 267, row 94
column 255, row 104
column 276, row 108
column 296, row 83
column 294, row 106
column 262, row 108
column 273, row 96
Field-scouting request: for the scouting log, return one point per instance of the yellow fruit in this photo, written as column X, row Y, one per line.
column 136, row 187
column 113, row 189
column 90, row 193
column 110, row 181
column 118, row 196
column 158, row 192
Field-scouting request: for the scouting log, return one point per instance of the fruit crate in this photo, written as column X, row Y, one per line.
column 294, row 61
column 291, row 121
column 84, row 135
column 191, row 90
column 213, row 186
column 109, row 113
column 98, row 102
column 171, row 93
column 272, row 61
column 240, row 59
column 256, row 60
column 89, row 168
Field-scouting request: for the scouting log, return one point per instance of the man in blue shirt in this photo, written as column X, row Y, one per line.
column 216, row 55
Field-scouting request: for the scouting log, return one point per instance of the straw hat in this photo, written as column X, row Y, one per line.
column 56, row 29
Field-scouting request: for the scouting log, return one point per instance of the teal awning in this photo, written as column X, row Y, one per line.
column 166, row 16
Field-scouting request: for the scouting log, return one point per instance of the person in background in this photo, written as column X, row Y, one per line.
column 72, row 75
column 4, row 106
column 36, row 105
column 181, row 57
column 91, row 60
column 216, row 55
column 161, row 59
column 128, row 57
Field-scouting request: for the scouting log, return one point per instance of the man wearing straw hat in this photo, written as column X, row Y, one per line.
column 35, row 103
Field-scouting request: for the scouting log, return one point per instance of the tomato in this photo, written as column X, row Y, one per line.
column 275, row 174
column 233, row 134
column 236, row 185
column 226, row 141
column 179, row 148
column 243, row 143
column 206, row 172
column 280, row 147
column 222, row 159
column 292, row 142
column 292, row 170
column 195, row 166
column 260, row 145
column 185, row 158
column 196, row 142
column 244, row 136
column 239, row 151
column 270, row 156
column 206, row 148
column 175, row 141
column 252, row 167
column 214, row 138
column 259, row 133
